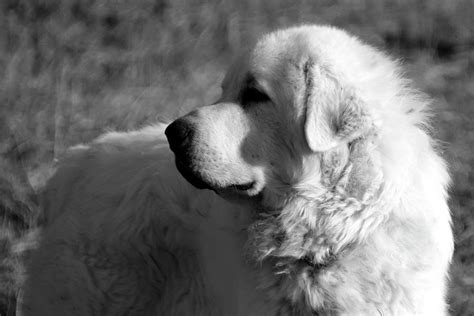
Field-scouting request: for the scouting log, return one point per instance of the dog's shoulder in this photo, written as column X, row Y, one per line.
column 105, row 168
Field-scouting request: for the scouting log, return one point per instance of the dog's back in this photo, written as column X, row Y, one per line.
column 125, row 233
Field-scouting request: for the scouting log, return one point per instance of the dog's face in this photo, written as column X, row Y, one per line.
column 282, row 107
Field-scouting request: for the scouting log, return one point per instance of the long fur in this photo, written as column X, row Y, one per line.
column 376, row 238
column 357, row 225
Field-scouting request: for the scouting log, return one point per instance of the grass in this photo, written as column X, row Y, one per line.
column 71, row 69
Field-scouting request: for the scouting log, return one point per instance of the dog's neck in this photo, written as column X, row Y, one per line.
column 311, row 228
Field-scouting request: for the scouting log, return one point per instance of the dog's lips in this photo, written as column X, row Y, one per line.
column 251, row 188
column 247, row 188
column 244, row 187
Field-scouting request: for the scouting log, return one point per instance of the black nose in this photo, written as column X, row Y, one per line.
column 179, row 134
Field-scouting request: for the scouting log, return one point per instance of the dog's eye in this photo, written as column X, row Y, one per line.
column 253, row 95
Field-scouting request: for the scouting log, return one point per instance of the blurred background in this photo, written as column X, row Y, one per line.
column 72, row 69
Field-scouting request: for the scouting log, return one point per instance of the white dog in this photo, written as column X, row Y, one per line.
column 334, row 198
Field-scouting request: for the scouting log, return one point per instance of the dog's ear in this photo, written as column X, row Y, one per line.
column 333, row 114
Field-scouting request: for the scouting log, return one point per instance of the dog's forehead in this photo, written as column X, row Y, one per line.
column 276, row 51
column 274, row 48
column 279, row 54
column 270, row 64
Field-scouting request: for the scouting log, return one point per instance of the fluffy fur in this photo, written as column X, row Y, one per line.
column 334, row 198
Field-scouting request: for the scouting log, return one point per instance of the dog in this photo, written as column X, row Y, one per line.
column 312, row 187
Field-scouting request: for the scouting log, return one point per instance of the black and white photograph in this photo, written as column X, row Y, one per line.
column 236, row 157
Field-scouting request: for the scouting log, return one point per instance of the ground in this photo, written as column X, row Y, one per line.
column 72, row 69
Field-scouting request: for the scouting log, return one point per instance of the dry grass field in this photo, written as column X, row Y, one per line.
column 71, row 69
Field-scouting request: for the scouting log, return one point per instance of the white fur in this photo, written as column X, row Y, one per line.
column 126, row 234
column 350, row 221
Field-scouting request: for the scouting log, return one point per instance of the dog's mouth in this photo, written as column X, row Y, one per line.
column 247, row 188
column 244, row 187
column 252, row 189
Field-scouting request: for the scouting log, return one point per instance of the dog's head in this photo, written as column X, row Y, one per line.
column 287, row 115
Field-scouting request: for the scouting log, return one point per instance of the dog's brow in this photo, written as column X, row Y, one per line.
column 250, row 80
column 251, row 92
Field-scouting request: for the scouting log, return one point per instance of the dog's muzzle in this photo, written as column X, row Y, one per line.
column 180, row 135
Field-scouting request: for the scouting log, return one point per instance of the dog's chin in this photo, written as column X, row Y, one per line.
column 192, row 177
column 251, row 188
